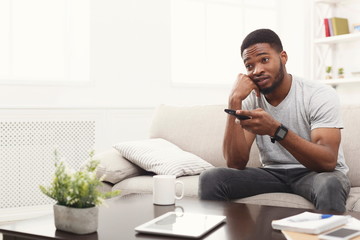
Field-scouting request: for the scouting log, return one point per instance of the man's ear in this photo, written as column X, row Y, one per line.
column 284, row 57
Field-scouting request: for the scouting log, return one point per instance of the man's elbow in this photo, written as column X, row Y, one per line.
column 329, row 166
column 234, row 160
column 236, row 166
column 240, row 165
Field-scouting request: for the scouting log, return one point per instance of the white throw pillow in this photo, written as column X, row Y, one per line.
column 162, row 157
column 114, row 168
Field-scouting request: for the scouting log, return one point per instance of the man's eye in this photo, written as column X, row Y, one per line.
column 248, row 66
column 266, row 59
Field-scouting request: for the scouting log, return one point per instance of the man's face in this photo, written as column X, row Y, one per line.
column 264, row 66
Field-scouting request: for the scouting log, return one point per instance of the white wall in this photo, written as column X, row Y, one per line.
column 295, row 36
column 130, row 60
column 130, row 63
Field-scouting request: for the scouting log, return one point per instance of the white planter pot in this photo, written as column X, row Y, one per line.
column 76, row 220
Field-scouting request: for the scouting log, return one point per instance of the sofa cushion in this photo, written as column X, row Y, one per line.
column 114, row 168
column 144, row 184
column 196, row 129
column 162, row 157
column 278, row 199
column 353, row 201
column 296, row 201
column 203, row 125
column 349, row 141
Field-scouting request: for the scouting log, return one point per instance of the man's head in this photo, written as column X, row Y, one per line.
column 262, row 36
column 264, row 59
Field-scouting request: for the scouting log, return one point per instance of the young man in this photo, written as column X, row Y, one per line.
column 297, row 129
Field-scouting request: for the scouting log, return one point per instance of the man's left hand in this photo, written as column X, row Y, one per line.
column 261, row 122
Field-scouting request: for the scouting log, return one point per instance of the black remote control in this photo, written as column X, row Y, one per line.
column 233, row 112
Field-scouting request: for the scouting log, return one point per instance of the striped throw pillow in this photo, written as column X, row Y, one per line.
column 162, row 157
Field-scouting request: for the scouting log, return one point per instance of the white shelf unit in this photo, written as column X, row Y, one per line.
column 337, row 81
column 324, row 49
column 338, row 39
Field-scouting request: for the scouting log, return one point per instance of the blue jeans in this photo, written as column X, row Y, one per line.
column 326, row 190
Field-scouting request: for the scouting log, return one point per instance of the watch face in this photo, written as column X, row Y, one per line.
column 281, row 134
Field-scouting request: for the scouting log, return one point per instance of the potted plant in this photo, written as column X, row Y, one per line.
column 341, row 72
column 77, row 197
column 328, row 72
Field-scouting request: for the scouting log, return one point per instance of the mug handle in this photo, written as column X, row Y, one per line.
column 182, row 190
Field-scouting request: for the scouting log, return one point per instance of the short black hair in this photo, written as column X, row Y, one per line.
column 262, row 36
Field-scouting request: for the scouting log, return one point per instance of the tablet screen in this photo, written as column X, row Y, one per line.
column 181, row 224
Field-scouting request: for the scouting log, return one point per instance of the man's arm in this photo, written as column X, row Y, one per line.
column 237, row 144
column 320, row 154
column 237, row 141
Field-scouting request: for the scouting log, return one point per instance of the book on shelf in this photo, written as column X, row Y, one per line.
column 336, row 26
column 340, row 25
column 308, row 222
column 331, row 30
column 327, row 29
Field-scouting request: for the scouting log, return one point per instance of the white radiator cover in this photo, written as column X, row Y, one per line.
column 27, row 159
column 29, row 136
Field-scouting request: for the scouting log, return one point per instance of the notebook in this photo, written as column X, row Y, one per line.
column 190, row 225
column 308, row 222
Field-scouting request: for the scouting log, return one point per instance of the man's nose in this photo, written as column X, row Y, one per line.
column 258, row 70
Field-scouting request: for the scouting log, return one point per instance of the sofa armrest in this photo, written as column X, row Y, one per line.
column 114, row 167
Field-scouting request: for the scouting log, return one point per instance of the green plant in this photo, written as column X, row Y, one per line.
column 328, row 69
column 341, row 71
column 76, row 189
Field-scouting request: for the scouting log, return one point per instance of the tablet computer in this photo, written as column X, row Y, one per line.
column 191, row 225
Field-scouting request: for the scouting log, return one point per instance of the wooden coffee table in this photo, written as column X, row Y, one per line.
column 118, row 219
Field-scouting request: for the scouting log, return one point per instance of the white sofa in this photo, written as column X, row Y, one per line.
column 199, row 130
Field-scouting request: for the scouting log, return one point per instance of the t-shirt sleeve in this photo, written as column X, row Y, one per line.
column 250, row 102
column 325, row 109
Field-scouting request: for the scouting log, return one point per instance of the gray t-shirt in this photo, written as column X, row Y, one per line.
column 307, row 106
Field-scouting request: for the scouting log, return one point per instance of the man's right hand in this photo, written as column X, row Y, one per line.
column 242, row 88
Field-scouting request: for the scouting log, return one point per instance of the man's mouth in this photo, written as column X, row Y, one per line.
column 260, row 81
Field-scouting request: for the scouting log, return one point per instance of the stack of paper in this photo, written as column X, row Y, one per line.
column 308, row 222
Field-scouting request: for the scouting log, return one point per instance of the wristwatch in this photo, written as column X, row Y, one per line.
column 279, row 134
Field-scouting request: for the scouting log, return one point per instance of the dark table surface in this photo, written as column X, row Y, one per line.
column 118, row 219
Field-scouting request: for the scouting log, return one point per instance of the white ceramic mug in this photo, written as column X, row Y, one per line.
column 164, row 192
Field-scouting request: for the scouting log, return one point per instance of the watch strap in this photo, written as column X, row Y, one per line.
column 280, row 134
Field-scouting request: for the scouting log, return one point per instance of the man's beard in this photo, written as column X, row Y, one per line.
column 278, row 80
